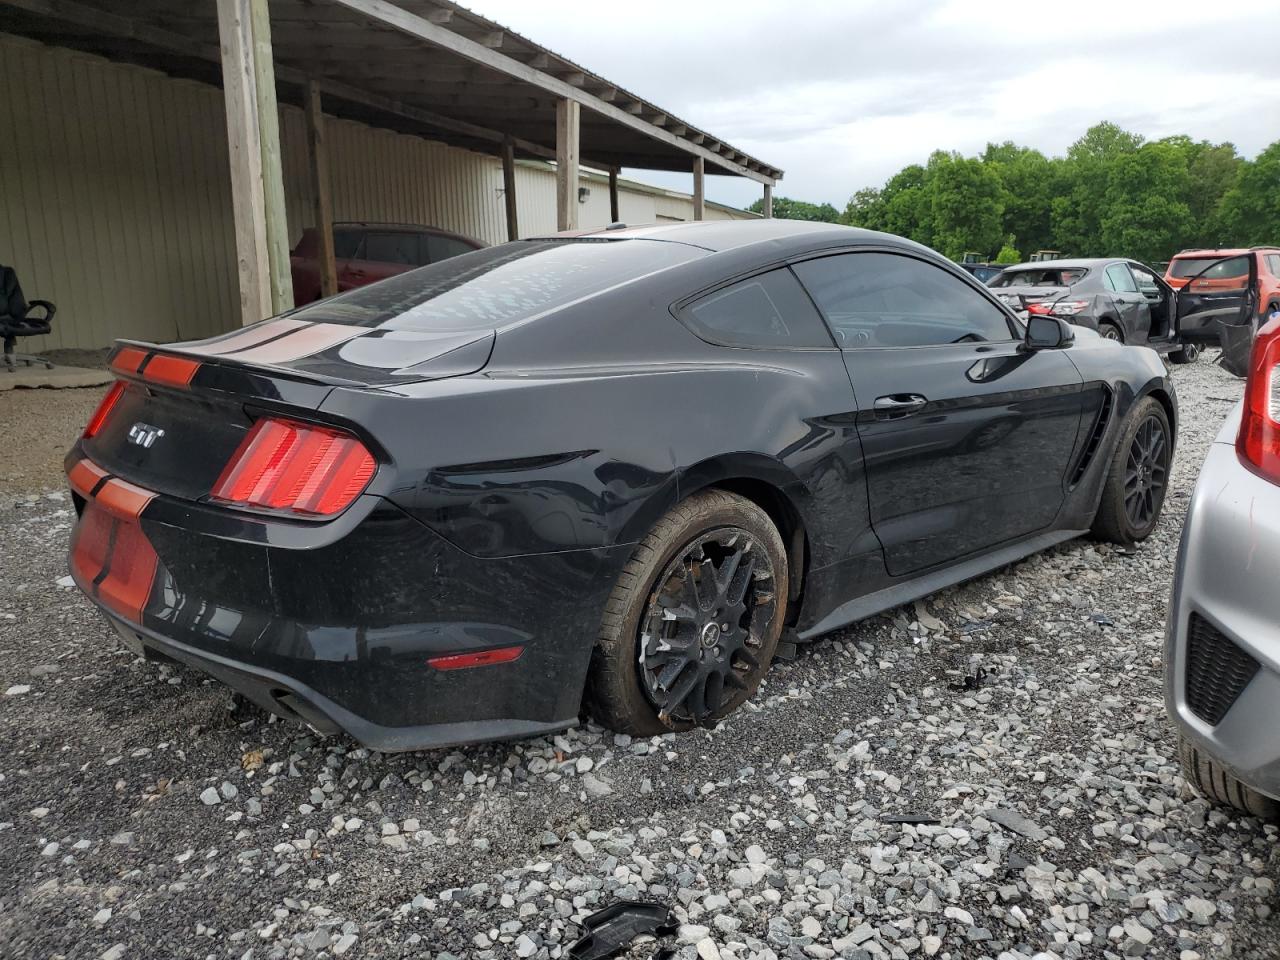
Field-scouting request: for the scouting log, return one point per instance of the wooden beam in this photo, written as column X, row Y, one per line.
column 407, row 22
column 281, row 279
column 509, row 187
column 768, row 200
column 699, row 189
column 567, row 125
column 614, row 214
column 248, row 199
column 318, row 155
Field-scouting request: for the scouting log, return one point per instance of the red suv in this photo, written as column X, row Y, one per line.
column 1226, row 271
column 368, row 252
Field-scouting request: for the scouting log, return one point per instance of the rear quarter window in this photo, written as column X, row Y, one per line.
column 767, row 310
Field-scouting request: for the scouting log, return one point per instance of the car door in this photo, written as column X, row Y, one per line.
column 966, row 436
column 1225, row 291
column 1135, row 314
column 1159, row 298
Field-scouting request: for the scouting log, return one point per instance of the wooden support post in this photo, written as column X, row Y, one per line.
column 253, row 141
column 768, row 199
column 264, row 71
column 567, row 121
column 248, row 200
column 699, row 189
column 614, row 215
column 509, row 187
column 318, row 154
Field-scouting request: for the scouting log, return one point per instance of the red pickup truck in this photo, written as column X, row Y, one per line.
column 368, row 252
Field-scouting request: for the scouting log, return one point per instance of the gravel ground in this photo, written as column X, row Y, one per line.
column 37, row 427
column 140, row 817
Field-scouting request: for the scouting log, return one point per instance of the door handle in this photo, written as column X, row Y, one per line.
column 898, row 405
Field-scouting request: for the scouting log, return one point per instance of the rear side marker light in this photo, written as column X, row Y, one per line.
column 1258, row 442
column 481, row 658
column 299, row 468
column 105, row 406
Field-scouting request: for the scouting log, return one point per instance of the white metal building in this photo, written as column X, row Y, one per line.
column 132, row 197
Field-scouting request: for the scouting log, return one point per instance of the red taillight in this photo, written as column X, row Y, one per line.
column 104, row 409
column 296, row 468
column 1258, row 441
column 1043, row 309
column 481, row 658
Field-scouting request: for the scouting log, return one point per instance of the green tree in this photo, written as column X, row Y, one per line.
column 866, row 208
column 1008, row 254
column 1250, row 209
column 1029, row 179
column 787, row 209
column 1145, row 214
column 1103, row 141
column 967, row 205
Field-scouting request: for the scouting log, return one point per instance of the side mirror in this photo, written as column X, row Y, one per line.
column 1048, row 333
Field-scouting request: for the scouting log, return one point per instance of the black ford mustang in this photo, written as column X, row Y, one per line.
column 609, row 468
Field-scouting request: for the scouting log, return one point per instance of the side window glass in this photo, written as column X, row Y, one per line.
column 396, row 247
column 346, row 243
column 889, row 300
column 1119, row 279
column 1273, row 262
column 442, row 248
column 768, row 310
column 1146, row 282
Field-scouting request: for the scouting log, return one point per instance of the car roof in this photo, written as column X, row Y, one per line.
column 1079, row 263
column 719, row 235
column 1219, row 252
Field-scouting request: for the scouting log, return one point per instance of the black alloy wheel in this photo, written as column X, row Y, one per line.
column 704, row 628
column 1146, row 472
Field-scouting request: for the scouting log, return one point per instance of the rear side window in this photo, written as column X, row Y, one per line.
column 888, row 300
column 498, row 285
column 768, row 310
column 1273, row 264
column 442, row 248
column 346, row 243
column 1119, row 279
column 393, row 247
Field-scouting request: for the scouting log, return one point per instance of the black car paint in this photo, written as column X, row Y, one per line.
column 507, row 501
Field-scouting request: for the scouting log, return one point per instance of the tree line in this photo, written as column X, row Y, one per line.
column 1113, row 194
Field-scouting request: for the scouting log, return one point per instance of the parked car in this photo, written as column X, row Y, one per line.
column 365, row 253
column 1222, row 278
column 985, row 272
column 1122, row 299
column 450, row 506
column 1222, row 661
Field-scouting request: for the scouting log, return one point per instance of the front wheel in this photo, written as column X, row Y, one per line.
column 693, row 622
column 1110, row 331
column 1188, row 353
column 1133, row 494
column 1212, row 779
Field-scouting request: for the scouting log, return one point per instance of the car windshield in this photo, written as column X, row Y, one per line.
column 1053, row 277
column 498, row 285
column 1185, row 267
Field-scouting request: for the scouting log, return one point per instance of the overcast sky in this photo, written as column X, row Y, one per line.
column 841, row 94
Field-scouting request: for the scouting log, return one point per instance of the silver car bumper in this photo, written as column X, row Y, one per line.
column 1226, row 604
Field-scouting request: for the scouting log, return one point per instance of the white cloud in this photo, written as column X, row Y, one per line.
column 843, row 94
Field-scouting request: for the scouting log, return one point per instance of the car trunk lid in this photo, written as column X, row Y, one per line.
column 186, row 407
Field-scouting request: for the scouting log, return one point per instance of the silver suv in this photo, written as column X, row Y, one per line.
column 1222, row 657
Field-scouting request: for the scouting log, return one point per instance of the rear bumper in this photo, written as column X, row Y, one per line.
column 288, row 698
column 339, row 632
column 1225, row 577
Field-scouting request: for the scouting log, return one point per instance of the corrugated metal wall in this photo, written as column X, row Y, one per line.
column 115, row 197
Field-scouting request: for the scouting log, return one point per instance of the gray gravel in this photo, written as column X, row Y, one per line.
column 140, row 817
